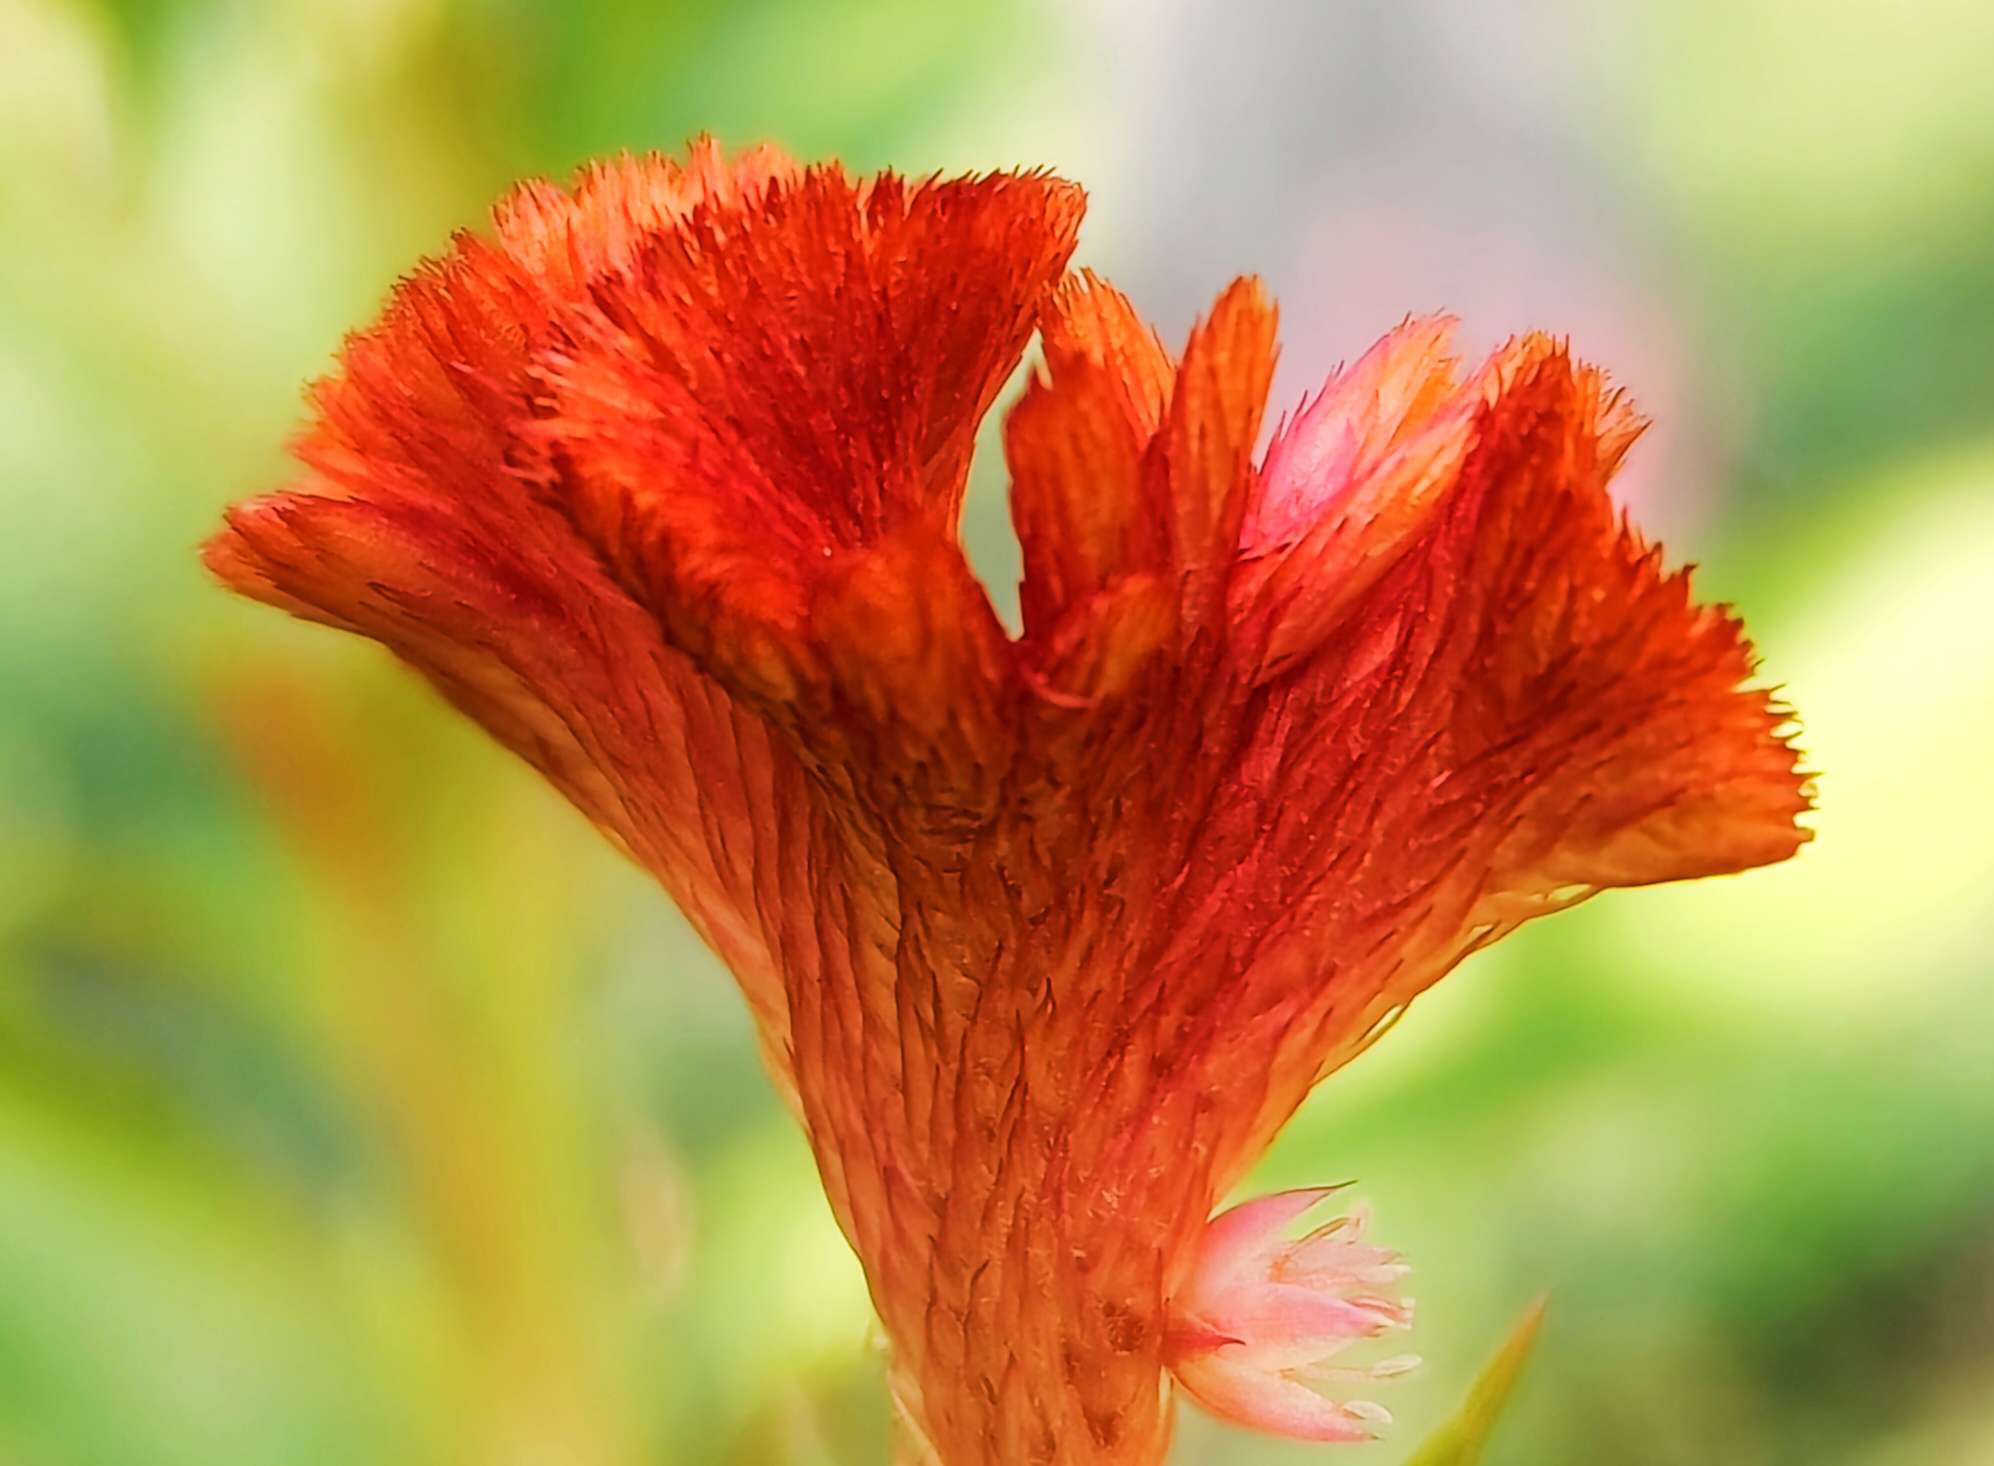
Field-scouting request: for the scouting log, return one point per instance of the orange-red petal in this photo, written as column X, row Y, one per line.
column 430, row 519
column 1076, row 442
column 763, row 397
column 1514, row 706
column 1204, row 456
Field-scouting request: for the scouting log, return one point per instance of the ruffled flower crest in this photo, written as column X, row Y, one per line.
column 1044, row 937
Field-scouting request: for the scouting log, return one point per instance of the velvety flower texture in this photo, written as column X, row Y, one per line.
column 1045, row 935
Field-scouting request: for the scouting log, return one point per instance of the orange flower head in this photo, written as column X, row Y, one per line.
column 1045, row 935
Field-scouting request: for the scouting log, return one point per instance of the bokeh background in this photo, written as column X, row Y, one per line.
column 357, row 1105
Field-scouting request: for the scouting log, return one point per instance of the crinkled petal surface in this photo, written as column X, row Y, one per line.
column 659, row 482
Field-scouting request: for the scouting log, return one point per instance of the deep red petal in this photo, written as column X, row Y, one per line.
column 765, row 396
column 1076, row 442
column 1131, row 480
column 523, row 632
column 1521, row 709
column 430, row 522
column 1205, row 453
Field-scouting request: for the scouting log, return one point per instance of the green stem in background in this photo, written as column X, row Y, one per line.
column 1461, row 1441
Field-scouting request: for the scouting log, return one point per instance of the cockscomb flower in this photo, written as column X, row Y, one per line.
column 1045, row 935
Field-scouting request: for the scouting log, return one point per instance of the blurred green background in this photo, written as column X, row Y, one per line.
column 357, row 1105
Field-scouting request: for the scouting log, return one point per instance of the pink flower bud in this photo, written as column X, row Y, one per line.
column 1260, row 1314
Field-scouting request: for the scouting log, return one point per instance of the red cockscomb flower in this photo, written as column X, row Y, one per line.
column 1045, row 936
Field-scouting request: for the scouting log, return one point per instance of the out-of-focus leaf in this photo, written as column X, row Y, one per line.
column 1461, row 1441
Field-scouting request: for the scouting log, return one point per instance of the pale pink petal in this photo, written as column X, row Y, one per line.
column 1283, row 1314
column 1359, row 415
column 1242, row 1235
column 1270, row 1402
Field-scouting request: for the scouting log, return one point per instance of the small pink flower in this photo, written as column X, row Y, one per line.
column 1260, row 1314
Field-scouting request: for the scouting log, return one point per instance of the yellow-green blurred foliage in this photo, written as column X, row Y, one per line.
column 357, row 1105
